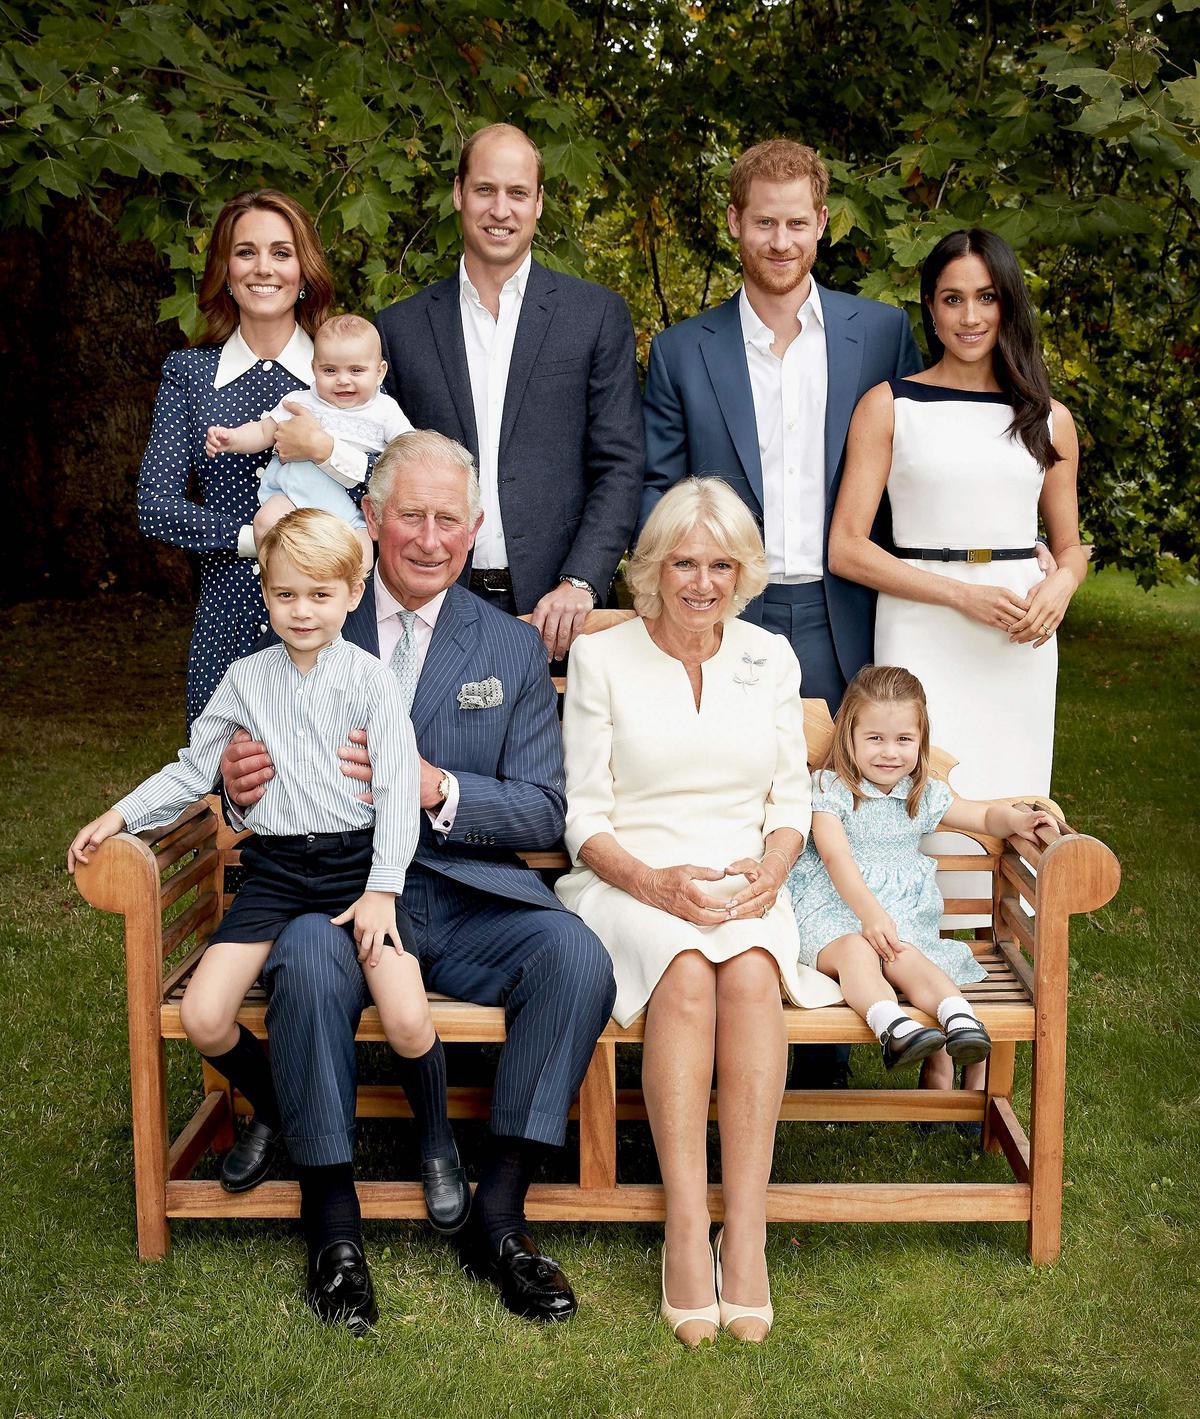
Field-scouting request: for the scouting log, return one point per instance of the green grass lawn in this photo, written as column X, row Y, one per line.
column 872, row 1320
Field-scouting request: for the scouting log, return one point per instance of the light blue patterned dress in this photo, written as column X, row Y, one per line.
column 885, row 842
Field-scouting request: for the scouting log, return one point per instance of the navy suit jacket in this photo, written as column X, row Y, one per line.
column 699, row 417
column 571, row 453
column 507, row 759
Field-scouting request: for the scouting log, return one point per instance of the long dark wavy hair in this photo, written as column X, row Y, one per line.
column 1017, row 361
column 220, row 311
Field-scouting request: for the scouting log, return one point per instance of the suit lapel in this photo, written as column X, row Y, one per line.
column 537, row 311
column 445, row 321
column 454, row 638
column 362, row 628
column 844, row 356
column 724, row 354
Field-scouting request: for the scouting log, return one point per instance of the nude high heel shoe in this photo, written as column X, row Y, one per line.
column 676, row 1317
column 731, row 1312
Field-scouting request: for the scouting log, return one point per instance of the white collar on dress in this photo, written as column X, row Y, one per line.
column 756, row 332
column 237, row 357
column 898, row 790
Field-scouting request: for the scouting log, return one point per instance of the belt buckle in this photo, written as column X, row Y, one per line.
column 979, row 554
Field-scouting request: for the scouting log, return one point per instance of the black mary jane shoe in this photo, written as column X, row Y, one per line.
column 531, row 1285
column 969, row 1044
column 251, row 1157
column 447, row 1194
column 917, row 1045
column 339, row 1288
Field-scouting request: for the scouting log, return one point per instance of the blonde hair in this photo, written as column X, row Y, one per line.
column 317, row 543
column 878, row 685
column 711, row 504
column 349, row 327
column 421, row 446
column 779, row 160
column 219, row 309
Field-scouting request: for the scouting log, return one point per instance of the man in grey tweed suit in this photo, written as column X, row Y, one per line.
column 487, row 929
column 535, row 372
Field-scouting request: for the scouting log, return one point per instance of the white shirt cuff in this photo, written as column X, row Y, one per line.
column 245, row 546
column 442, row 819
column 345, row 465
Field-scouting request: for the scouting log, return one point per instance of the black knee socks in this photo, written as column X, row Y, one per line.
column 329, row 1210
column 424, row 1081
column 248, row 1069
column 499, row 1206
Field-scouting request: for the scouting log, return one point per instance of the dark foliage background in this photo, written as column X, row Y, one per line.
column 1073, row 129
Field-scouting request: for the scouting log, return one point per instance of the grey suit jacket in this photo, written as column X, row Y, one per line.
column 571, row 447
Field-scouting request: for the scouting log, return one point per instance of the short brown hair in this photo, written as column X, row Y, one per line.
column 316, row 543
column 464, row 158
column 349, row 327
column 779, row 160
column 220, row 310
column 878, row 685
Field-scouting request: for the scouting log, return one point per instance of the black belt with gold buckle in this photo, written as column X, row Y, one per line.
column 966, row 554
column 490, row 579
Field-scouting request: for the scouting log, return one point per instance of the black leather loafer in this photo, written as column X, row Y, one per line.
column 339, row 1288
column 447, row 1194
column 251, row 1157
column 918, row 1045
column 531, row 1285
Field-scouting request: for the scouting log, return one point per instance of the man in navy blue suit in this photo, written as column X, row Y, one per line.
column 487, row 929
column 760, row 390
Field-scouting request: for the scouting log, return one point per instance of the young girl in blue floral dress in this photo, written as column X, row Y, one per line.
column 866, row 899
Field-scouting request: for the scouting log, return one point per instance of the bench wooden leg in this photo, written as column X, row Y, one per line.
column 148, row 1074
column 999, row 1083
column 598, row 1120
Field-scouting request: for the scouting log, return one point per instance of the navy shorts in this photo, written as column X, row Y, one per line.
column 287, row 877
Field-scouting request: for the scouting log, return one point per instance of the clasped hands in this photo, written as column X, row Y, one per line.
column 1033, row 617
column 678, row 890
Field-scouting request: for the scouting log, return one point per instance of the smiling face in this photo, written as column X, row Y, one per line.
column 306, row 612
column 499, row 201
column 347, row 369
column 966, row 309
column 697, row 583
column 264, row 270
column 887, row 742
column 425, row 533
column 777, row 234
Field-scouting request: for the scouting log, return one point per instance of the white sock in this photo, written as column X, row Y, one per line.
column 955, row 1005
column 885, row 1013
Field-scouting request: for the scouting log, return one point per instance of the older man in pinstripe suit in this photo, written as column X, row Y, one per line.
column 487, row 928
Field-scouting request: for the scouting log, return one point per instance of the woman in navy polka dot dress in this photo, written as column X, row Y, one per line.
column 266, row 289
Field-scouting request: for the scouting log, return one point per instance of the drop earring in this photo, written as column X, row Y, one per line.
column 228, row 289
column 303, row 292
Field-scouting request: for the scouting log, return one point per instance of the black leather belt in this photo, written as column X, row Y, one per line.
column 967, row 554
column 490, row 579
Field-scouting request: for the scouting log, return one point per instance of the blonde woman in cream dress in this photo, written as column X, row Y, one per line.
column 688, row 802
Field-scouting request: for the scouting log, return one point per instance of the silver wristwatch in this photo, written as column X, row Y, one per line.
column 583, row 586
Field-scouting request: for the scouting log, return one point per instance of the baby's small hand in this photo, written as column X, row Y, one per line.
column 216, row 440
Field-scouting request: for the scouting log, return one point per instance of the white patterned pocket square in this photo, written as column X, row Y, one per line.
column 482, row 694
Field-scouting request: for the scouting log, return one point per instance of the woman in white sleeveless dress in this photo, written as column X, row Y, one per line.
column 970, row 452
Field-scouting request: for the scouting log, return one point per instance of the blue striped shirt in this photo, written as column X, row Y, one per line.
column 303, row 720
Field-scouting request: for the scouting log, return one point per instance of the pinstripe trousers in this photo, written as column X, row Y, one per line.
column 549, row 971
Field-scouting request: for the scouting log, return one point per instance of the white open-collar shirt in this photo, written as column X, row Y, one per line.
column 790, row 395
column 489, row 343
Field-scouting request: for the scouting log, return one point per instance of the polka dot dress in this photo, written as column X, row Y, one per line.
column 231, row 616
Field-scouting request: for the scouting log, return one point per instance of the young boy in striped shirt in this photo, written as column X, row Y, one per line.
column 316, row 847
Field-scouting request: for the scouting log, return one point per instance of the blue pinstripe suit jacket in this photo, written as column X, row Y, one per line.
column 507, row 759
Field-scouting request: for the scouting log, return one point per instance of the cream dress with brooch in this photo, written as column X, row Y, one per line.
column 674, row 785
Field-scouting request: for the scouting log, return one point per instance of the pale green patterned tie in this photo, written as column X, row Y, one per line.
column 403, row 663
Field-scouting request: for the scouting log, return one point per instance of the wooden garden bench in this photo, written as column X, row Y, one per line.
column 169, row 885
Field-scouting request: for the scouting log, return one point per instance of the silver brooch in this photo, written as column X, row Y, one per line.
column 749, row 676
column 481, row 694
